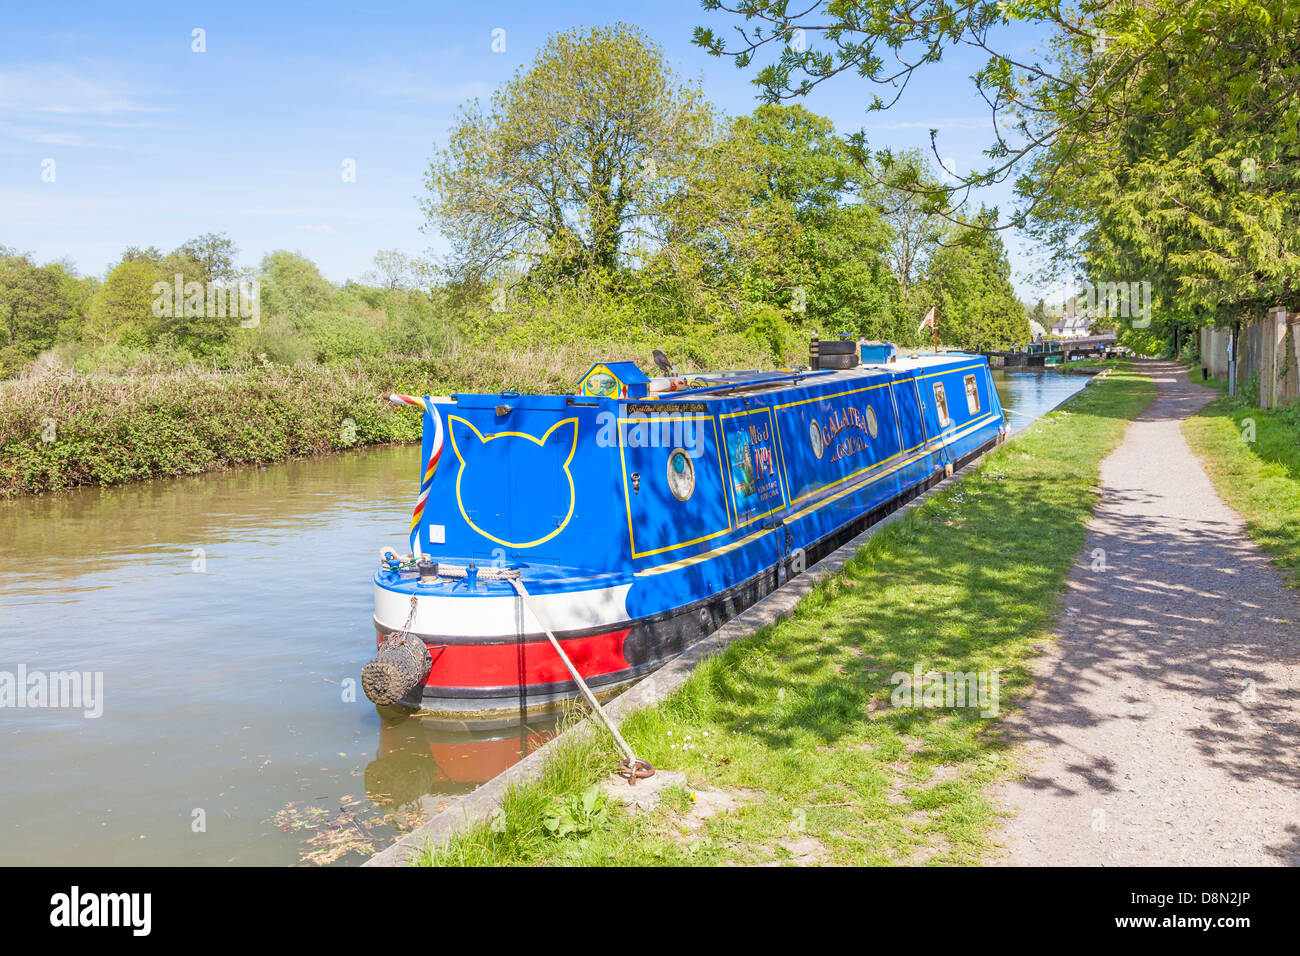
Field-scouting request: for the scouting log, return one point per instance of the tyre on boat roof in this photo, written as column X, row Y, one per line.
column 838, row 362
column 838, row 347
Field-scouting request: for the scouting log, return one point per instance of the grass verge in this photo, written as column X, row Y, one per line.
column 1253, row 457
column 794, row 726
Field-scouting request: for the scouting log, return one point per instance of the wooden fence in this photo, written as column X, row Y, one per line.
column 1268, row 350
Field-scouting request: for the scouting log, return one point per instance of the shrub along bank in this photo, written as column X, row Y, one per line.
column 65, row 429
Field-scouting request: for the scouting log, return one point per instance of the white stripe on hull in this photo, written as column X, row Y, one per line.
column 502, row 616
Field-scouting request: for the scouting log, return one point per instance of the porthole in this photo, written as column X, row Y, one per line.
column 681, row 475
column 815, row 437
column 871, row 421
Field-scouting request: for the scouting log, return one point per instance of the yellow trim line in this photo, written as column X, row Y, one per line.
column 950, row 371
column 718, row 552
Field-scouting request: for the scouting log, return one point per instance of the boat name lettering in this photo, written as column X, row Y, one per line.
column 764, row 460
column 666, row 408
column 843, row 420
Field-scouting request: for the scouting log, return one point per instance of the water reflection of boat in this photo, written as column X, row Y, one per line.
column 416, row 758
column 642, row 514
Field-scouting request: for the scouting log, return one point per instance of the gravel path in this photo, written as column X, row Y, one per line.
column 1165, row 727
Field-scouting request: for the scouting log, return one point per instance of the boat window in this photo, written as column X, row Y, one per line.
column 972, row 395
column 816, row 439
column 872, row 426
column 681, row 475
column 941, row 404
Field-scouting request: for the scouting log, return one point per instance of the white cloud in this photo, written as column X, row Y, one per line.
column 50, row 88
column 44, row 137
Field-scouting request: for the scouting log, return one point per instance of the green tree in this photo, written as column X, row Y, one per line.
column 969, row 283
column 195, row 321
column 35, row 303
column 138, row 305
column 911, row 200
column 123, row 307
column 150, row 254
column 801, row 161
column 819, row 243
column 1153, row 140
column 292, row 287
column 1194, row 185
column 853, row 289
column 582, row 151
column 215, row 253
column 394, row 270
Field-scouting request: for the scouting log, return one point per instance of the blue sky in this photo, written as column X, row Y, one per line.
column 153, row 143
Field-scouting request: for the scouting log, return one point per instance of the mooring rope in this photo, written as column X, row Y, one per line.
column 491, row 573
column 1032, row 418
column 631, row 765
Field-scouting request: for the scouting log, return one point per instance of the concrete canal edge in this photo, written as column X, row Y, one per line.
column 477, row 806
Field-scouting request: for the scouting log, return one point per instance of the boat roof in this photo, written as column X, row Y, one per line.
column 722, row 384
column 705, row 386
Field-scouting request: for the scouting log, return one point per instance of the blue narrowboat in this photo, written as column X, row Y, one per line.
column 642, row 513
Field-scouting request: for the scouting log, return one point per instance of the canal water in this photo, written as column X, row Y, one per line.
column 1028, row 394
column 229, row 617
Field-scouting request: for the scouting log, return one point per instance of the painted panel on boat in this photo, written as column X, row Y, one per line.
column 831, row 439
column 674, row 488
column 497, row 468
column 752, row 464
column 535, row 484
column 910, row 424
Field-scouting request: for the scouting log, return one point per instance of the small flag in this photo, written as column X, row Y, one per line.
column 928, row 320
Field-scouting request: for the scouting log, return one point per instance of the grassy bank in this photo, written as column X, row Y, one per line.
column 792, row 730
column 1253, row 457
column 65, row 428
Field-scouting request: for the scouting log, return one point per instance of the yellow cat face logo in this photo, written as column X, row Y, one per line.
column 525, row 457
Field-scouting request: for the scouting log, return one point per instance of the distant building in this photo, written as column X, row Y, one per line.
column 1071, row 327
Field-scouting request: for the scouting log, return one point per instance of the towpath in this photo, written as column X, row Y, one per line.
column 1165, row 727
